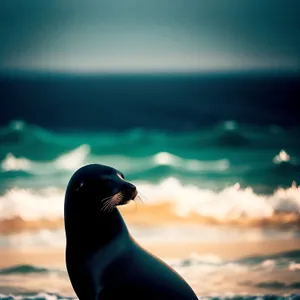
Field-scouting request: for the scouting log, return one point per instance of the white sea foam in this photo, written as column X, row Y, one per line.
column 294, row 266
column 73, row 159
column 281, row 157
column 81, row 155
column 39, row 296
column 127, row 164
column 229, row 204
column 70, row 161
column 10, row 163
column 165, row 158
column 156, row 235
column 41, row 238
column 269, row 264
column 32, row 205
column 284, row 157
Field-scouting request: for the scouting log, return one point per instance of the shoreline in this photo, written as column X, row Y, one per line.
column 55, row 257
column 162, row 214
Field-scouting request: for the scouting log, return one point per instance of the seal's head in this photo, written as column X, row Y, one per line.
column 104, row 188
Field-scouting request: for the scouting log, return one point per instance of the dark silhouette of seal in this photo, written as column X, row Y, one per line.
column 103, row 260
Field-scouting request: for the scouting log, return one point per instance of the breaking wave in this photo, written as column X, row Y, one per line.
column 167, row 202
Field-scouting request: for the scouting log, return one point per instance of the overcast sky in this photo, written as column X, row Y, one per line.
column 149, row 35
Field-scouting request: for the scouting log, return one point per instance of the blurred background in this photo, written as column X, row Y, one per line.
column 194, row 101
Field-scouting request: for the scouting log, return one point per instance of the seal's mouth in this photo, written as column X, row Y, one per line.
column 121, row 198
column 127, row 196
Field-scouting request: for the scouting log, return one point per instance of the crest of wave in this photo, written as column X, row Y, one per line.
column 230, row 203
column 11, row 162
column 68, row 161
column 31, row 205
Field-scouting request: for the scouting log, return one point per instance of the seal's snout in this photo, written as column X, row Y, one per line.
column 134, row 193
column 130, row 191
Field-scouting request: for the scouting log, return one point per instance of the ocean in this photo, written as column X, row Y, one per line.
column 216, row 160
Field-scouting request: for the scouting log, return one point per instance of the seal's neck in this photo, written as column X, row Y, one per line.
column 91, row 233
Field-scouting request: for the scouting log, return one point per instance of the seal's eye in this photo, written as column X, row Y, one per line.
column 82, row 184
column 121, row 175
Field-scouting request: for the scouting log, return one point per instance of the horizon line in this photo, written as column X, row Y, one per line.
column 60, row 72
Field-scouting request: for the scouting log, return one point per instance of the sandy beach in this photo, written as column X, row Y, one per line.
column 207, row 279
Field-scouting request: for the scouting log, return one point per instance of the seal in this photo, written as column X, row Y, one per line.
column 102, row 258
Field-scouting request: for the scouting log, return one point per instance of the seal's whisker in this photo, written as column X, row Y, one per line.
column 110, row 207
column 110, row 202
column 117, row 198
column 120, row 197
column 107, row 198
column 138, row 199
column 141, row 197
column 113, row 203
column 105, row 205
column 135, row 206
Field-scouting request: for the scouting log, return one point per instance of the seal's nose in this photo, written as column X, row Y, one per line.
column 131, row 191
column 134, row 193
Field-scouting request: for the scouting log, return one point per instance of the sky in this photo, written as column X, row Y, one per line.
column 142, row 35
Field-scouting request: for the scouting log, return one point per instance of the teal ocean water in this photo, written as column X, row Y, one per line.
column 263, row 157
column 192, row 148
column 227, row 172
